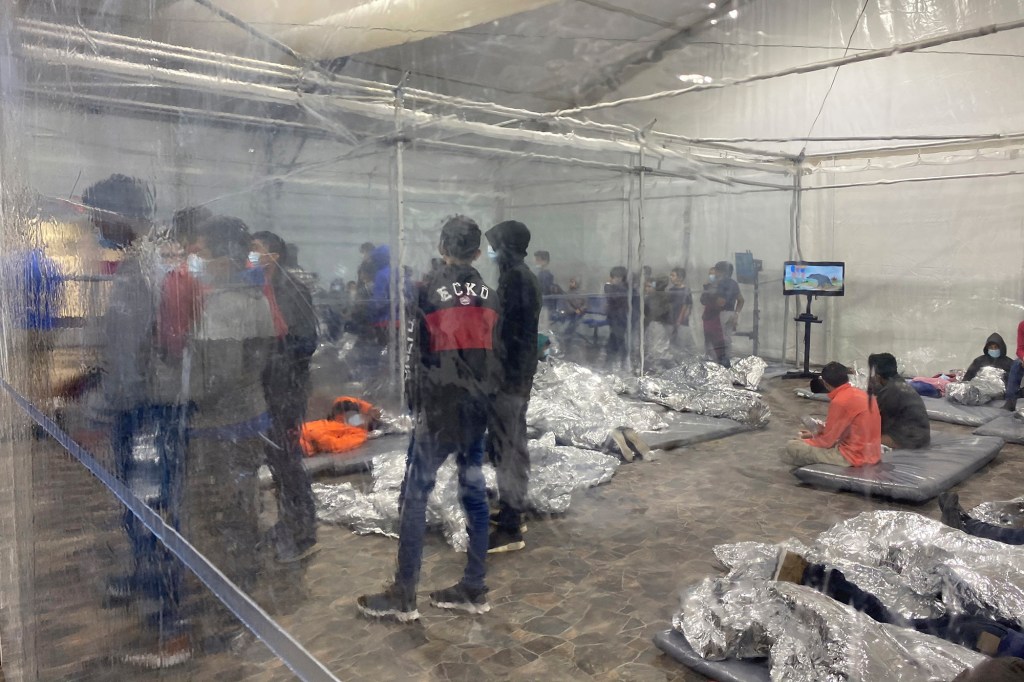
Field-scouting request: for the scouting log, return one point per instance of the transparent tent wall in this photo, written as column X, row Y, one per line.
column 933, row 264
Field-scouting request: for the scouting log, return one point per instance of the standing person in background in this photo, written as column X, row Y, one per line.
column 227, row 354
column 681, row 302
column 1016, row 373
column 730, row 291
column 286, row 390
column 519, row 301
column 549, row 290
column 450, row 377
column 711, row 319
column 617, row 311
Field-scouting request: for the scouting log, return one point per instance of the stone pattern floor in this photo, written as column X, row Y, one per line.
column 581, row 602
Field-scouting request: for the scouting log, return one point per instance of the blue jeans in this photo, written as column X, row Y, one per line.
column 426, row 455
column 1013, row 379
column 155, row 573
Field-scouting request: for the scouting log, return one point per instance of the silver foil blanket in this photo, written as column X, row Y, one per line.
column 556, row 472
column 581, row 407
column 705, row 388
column 917, row 567
column 987, row 385
column 1008, row 513
column 809, row 637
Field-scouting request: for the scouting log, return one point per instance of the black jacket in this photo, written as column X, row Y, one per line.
column 519, row 300
column 1003, row 362
column 286, row 377
column 450, row 368
column 904, row 418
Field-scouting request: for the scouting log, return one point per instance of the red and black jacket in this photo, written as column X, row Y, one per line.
column 451, row 349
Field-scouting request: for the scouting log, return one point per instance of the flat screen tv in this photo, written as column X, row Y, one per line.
column 814, row 278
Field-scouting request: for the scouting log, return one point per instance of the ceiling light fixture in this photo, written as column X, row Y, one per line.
column 733, row 13
column 712, row 5
column 714, row 21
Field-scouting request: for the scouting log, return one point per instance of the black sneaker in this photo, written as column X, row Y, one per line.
column 1011, row 405
column 501, row 540
column 394, row 603
column 952, row 514
column 458, row 597
column 167, row 654
column 496, row 521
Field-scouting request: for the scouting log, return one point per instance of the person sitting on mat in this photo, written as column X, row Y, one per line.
column 1016, row 373
column 994, row 355
column 904, row 418
column 852, row 435
column 346, row 428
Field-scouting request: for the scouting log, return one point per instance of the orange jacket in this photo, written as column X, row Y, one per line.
column 332, row 435
column 328, row 435
column 853, row 425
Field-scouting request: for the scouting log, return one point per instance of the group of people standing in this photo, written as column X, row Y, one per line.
column 206, row 349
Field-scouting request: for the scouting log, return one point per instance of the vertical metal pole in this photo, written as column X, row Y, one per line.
column 398, row 275
column 794, row 227
column 630, row 278
column 640, row 255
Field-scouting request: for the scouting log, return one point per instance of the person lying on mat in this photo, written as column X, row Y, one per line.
column 346, row 427
column 904, row 418
column 954, row 516
column 852, row 434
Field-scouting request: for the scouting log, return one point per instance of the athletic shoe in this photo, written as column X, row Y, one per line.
column 618, row 439
column 394, row 603
column 458, row 597
column 1011, row 405
column 496, row 518
column 501, row 540
column 167, row 654
column 952, row 514
column 289, row 553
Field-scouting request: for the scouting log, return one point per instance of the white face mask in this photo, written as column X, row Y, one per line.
column 196, row 265
column 711, row 278
column 254, row 257
column 492, row 255
column 355, row 419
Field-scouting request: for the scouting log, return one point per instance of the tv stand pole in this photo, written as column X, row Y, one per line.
column 808, row 319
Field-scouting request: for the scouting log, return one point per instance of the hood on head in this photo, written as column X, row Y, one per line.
column 510, row 239
column 998, row 340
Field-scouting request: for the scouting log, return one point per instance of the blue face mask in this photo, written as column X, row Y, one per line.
column 994, row 353
column 711, row 278
column 492, row 255
column 196, row 265
column 254, row 258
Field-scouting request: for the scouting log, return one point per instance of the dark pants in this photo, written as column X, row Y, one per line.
column 149, row 446
column 427, row 453
column 506, row 435
column 286, row 392
column 1010, row 536
column 965, row 630
column 616, row 348
column 714, row 340
column 1013, row 379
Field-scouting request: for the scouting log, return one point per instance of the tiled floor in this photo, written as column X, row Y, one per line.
column 580, row 603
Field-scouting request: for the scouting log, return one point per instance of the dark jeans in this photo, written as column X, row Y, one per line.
column 1013, row 379
column 961, row 629
column 286, row 395
column 426, row 455
column 506, row 435
column 714, row 340
column 1010, row 536
column 616, row 347
column 162, row 432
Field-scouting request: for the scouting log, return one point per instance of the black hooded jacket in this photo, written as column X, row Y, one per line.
column 1003, row 362
column 519, row 301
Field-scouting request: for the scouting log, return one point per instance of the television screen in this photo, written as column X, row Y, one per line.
column 816, row 279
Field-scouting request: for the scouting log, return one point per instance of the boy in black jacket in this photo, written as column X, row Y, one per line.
column 519, row 297
column 450, row 388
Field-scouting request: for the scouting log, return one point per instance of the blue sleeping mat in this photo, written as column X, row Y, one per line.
column 909, row 475
column 940, row 409
column 674, row 643
column 1008, row 427
column 687, row 428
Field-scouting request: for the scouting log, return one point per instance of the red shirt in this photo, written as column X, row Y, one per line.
column 1020, row 340
column 181, row 299
column 851, row 424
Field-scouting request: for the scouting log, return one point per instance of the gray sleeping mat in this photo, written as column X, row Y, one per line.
column 674, row 643
column 910, row 475
column 940, row 409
